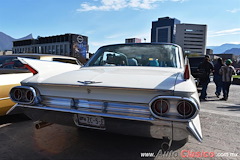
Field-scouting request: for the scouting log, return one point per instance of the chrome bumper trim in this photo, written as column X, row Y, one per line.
column 74, row 111
column 157, row 125
column 96, row 106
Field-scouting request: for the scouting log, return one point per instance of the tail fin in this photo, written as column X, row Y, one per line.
column 47, row 67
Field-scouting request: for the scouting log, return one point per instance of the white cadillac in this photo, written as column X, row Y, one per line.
column 135, row 89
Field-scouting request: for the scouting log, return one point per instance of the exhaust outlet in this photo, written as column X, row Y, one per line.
column 166, row 144
column 40, row 124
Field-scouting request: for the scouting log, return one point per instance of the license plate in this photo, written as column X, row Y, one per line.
column 92, row 121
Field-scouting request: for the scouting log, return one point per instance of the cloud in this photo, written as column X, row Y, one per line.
column 106, row 5
column 225, row 32
column 115, row 5
column 234, row 42
column 235, row 10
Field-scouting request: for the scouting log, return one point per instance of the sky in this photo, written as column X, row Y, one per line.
column 112, row 21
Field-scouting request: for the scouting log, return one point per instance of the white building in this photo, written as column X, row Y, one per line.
column 192, row 38
column 133, row 40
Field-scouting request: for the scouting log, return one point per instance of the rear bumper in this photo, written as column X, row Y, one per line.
column 137, row 126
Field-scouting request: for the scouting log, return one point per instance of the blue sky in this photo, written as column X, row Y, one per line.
column 111, row 21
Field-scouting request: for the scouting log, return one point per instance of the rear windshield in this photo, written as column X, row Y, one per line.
column 153, row 55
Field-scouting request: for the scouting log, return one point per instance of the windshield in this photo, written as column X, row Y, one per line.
column 155, row 55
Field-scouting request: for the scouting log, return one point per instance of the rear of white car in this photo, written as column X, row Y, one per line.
column 134, row 89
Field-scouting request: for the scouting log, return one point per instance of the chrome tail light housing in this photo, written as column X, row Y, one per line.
column 24, row 95
column 186, row 109
column 174, row 108
column 160, row 107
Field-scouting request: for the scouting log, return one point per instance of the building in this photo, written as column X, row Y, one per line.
column 192, row 38
column 73, row 45
column 209, row 51
column 133, row 40
column 5, row 52
column 164, row 30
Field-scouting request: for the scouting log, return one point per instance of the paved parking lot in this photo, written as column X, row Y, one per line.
column 220, row 124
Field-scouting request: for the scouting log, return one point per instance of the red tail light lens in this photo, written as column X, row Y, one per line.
column 160, row 107
column 31, row 69
column 185, row 109
column 187, row 72
column 17, row 94
column 29, row 95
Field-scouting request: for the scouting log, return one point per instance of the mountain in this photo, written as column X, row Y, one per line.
column 235, row 51
column 6, row 41
column 223, row 48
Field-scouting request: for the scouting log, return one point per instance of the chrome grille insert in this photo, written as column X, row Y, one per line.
column 115, row 108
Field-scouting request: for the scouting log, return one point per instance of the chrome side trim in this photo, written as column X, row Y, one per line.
column 88, row 82
column 5, row 98
column 9, row 112
column 100, row 87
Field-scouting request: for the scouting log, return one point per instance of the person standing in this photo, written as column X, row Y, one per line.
column 205, row 68
column 227, row 72
column 217, row 78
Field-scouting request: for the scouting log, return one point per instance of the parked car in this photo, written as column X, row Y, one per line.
column 135, row 89
column 194, row 63
column 237, row 71
column 12, row 72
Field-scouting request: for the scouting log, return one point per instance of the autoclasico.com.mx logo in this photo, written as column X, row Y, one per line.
column 187, row 154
